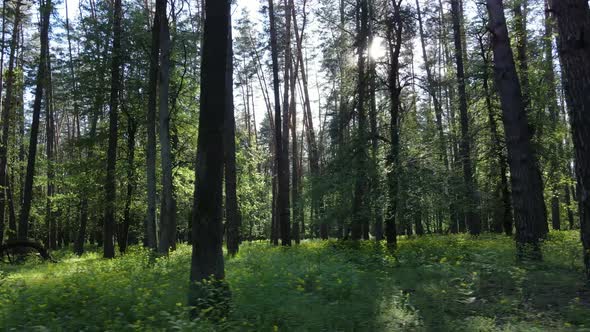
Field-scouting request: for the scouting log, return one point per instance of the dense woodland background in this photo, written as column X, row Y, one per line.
column 170, row 121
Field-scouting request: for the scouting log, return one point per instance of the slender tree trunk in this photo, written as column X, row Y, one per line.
column 6, row 109
column 111, row 181
column 282, row 210
column 168, row 204
column 150, row 221
column 207, row 256
column 471, row 214
column 504, row 216
column 232, row 212
column 42, row 76
column 285, row 211
column 394, row 34
column 296, row 173
column 527, row 187
column 573, row 22
column 359, row 215
column 50, row 150
column 123, row 234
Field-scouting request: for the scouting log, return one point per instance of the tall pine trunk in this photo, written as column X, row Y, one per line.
column 471, row 211
column 573, row 22
column 6, row 115
column 111, row 180
column 42, row 77
column 207, row 229
column 527, row 187
column 168, row 204
column 232, row 212
column 150, row 235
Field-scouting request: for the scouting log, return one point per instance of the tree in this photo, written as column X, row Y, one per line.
column 41, row 82
column 573, row 23
column 232, row 212
column 471, row 214
column 168, row 207
column 282, row 199
column 527, row 187
column 207, row 255
column 6, row 114
column 394, row 34
column 150, row 221
column 111, row 181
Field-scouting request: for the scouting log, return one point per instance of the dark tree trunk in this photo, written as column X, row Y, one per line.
column 42, row 76
column 570, row 213
column 168, row 204
column 232, row 212
column 150, row 221
column 282, row 208
column 503, row 218
column 6, row 109
column 573, row 22
column 375, row 176
column 50, row 150
column 527, row 187
column 471, row 211
column 123, row 233
column 207, row 229
column 394, row 37
column 285, row 212
column 296, row 173
column 359, row 213
column 111, row 180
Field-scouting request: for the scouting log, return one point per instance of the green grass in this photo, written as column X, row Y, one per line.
column 434, row 283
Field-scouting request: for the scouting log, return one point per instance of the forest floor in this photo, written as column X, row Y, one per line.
column 433, row 283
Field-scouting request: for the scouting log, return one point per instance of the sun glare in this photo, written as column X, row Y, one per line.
column 377, row 48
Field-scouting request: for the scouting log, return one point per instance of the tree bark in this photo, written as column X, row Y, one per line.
column 232, row 212
column 207, row 234
column 282, row 201
column 6, row 109
column 573, row 22
column 42, row 76
column 394, row 37
column 527, row 187
column 111, row 181
column 471, row 214
column 168, row 204
column 150, row 221
column 285, row 211
column 503, row 218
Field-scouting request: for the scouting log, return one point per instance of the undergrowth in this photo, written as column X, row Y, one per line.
column 432, row 283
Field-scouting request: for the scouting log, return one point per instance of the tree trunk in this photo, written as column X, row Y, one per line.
column 573, row 22
column 150, row 221
column 207, row 228
column 232, row 212
column 359, row 213
column 123, row 234
column 42, row 76
column 285, row 211
column 394, row 37
column 527, row 187
column 168, row 204
column 281, row 201
column 50, row 150
column 503, row 218
column 111, row 181
column 471, row 214
column 6, row 109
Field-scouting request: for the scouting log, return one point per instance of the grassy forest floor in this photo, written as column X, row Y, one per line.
column 434, row 283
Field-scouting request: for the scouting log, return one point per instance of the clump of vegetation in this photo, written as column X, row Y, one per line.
column 452, row 283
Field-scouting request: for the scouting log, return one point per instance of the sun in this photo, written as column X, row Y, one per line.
column 377, row 48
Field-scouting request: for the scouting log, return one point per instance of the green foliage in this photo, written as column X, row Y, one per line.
column 443, row 283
